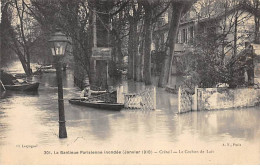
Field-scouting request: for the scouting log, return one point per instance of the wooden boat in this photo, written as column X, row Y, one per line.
column 23, row 86
column 20, row 75
column 46, row 69
column 97, row 104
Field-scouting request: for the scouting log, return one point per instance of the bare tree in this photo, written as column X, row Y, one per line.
column 179, row 8
column 134, row 15
column 21, row 32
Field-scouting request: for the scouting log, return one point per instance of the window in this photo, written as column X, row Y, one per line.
column 184, row 36
column 191, row 34
column 179, row 37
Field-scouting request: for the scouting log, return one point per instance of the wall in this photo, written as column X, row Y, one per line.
column 225, row 98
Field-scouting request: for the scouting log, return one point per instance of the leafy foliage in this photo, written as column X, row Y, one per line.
column 206, row 66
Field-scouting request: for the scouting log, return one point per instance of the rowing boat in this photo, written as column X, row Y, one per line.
column 23, row 86
column 97, row 104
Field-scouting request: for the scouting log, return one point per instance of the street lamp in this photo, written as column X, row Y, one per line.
column 58, row 42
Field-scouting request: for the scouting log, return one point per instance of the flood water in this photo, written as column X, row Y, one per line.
column 29, row 131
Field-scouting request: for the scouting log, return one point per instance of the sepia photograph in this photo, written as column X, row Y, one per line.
column 130, row 82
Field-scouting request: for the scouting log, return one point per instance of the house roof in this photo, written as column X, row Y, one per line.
column 242, row 6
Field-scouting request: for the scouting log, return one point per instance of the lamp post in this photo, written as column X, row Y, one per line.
column 59, row 42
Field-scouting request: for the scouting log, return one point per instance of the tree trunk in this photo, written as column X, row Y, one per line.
column 147, row 45
column 235, row 36
column 135, row 50
column 130, row 73
column 140, row 66
column 256, row 6
column 28, row 55
column 25, row 46
column 133, row 58
column 18, row 52
column 257, row 41
column 117, row 46
column 139, row 63
column 90, row 41
column 172, row 36
column 136, row 56
column 94, row 27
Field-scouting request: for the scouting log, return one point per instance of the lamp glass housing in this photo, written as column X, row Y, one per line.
column 58, row 43
column 58, row 48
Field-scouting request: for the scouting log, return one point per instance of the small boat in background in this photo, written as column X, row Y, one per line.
column 23, row 86
column 50, row 68
column 20, row 75
column 98, row 104
column 46, row 69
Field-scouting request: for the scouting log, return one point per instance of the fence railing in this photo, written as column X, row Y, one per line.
column 145, row 100
column 184, row 100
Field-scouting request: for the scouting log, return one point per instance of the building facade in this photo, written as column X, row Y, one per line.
column 229, row 28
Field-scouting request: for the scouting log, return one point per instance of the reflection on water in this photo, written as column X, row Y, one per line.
column 16, row 67
column 31, row 118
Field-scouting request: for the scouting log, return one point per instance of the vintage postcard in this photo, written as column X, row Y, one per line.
column 130, row 82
